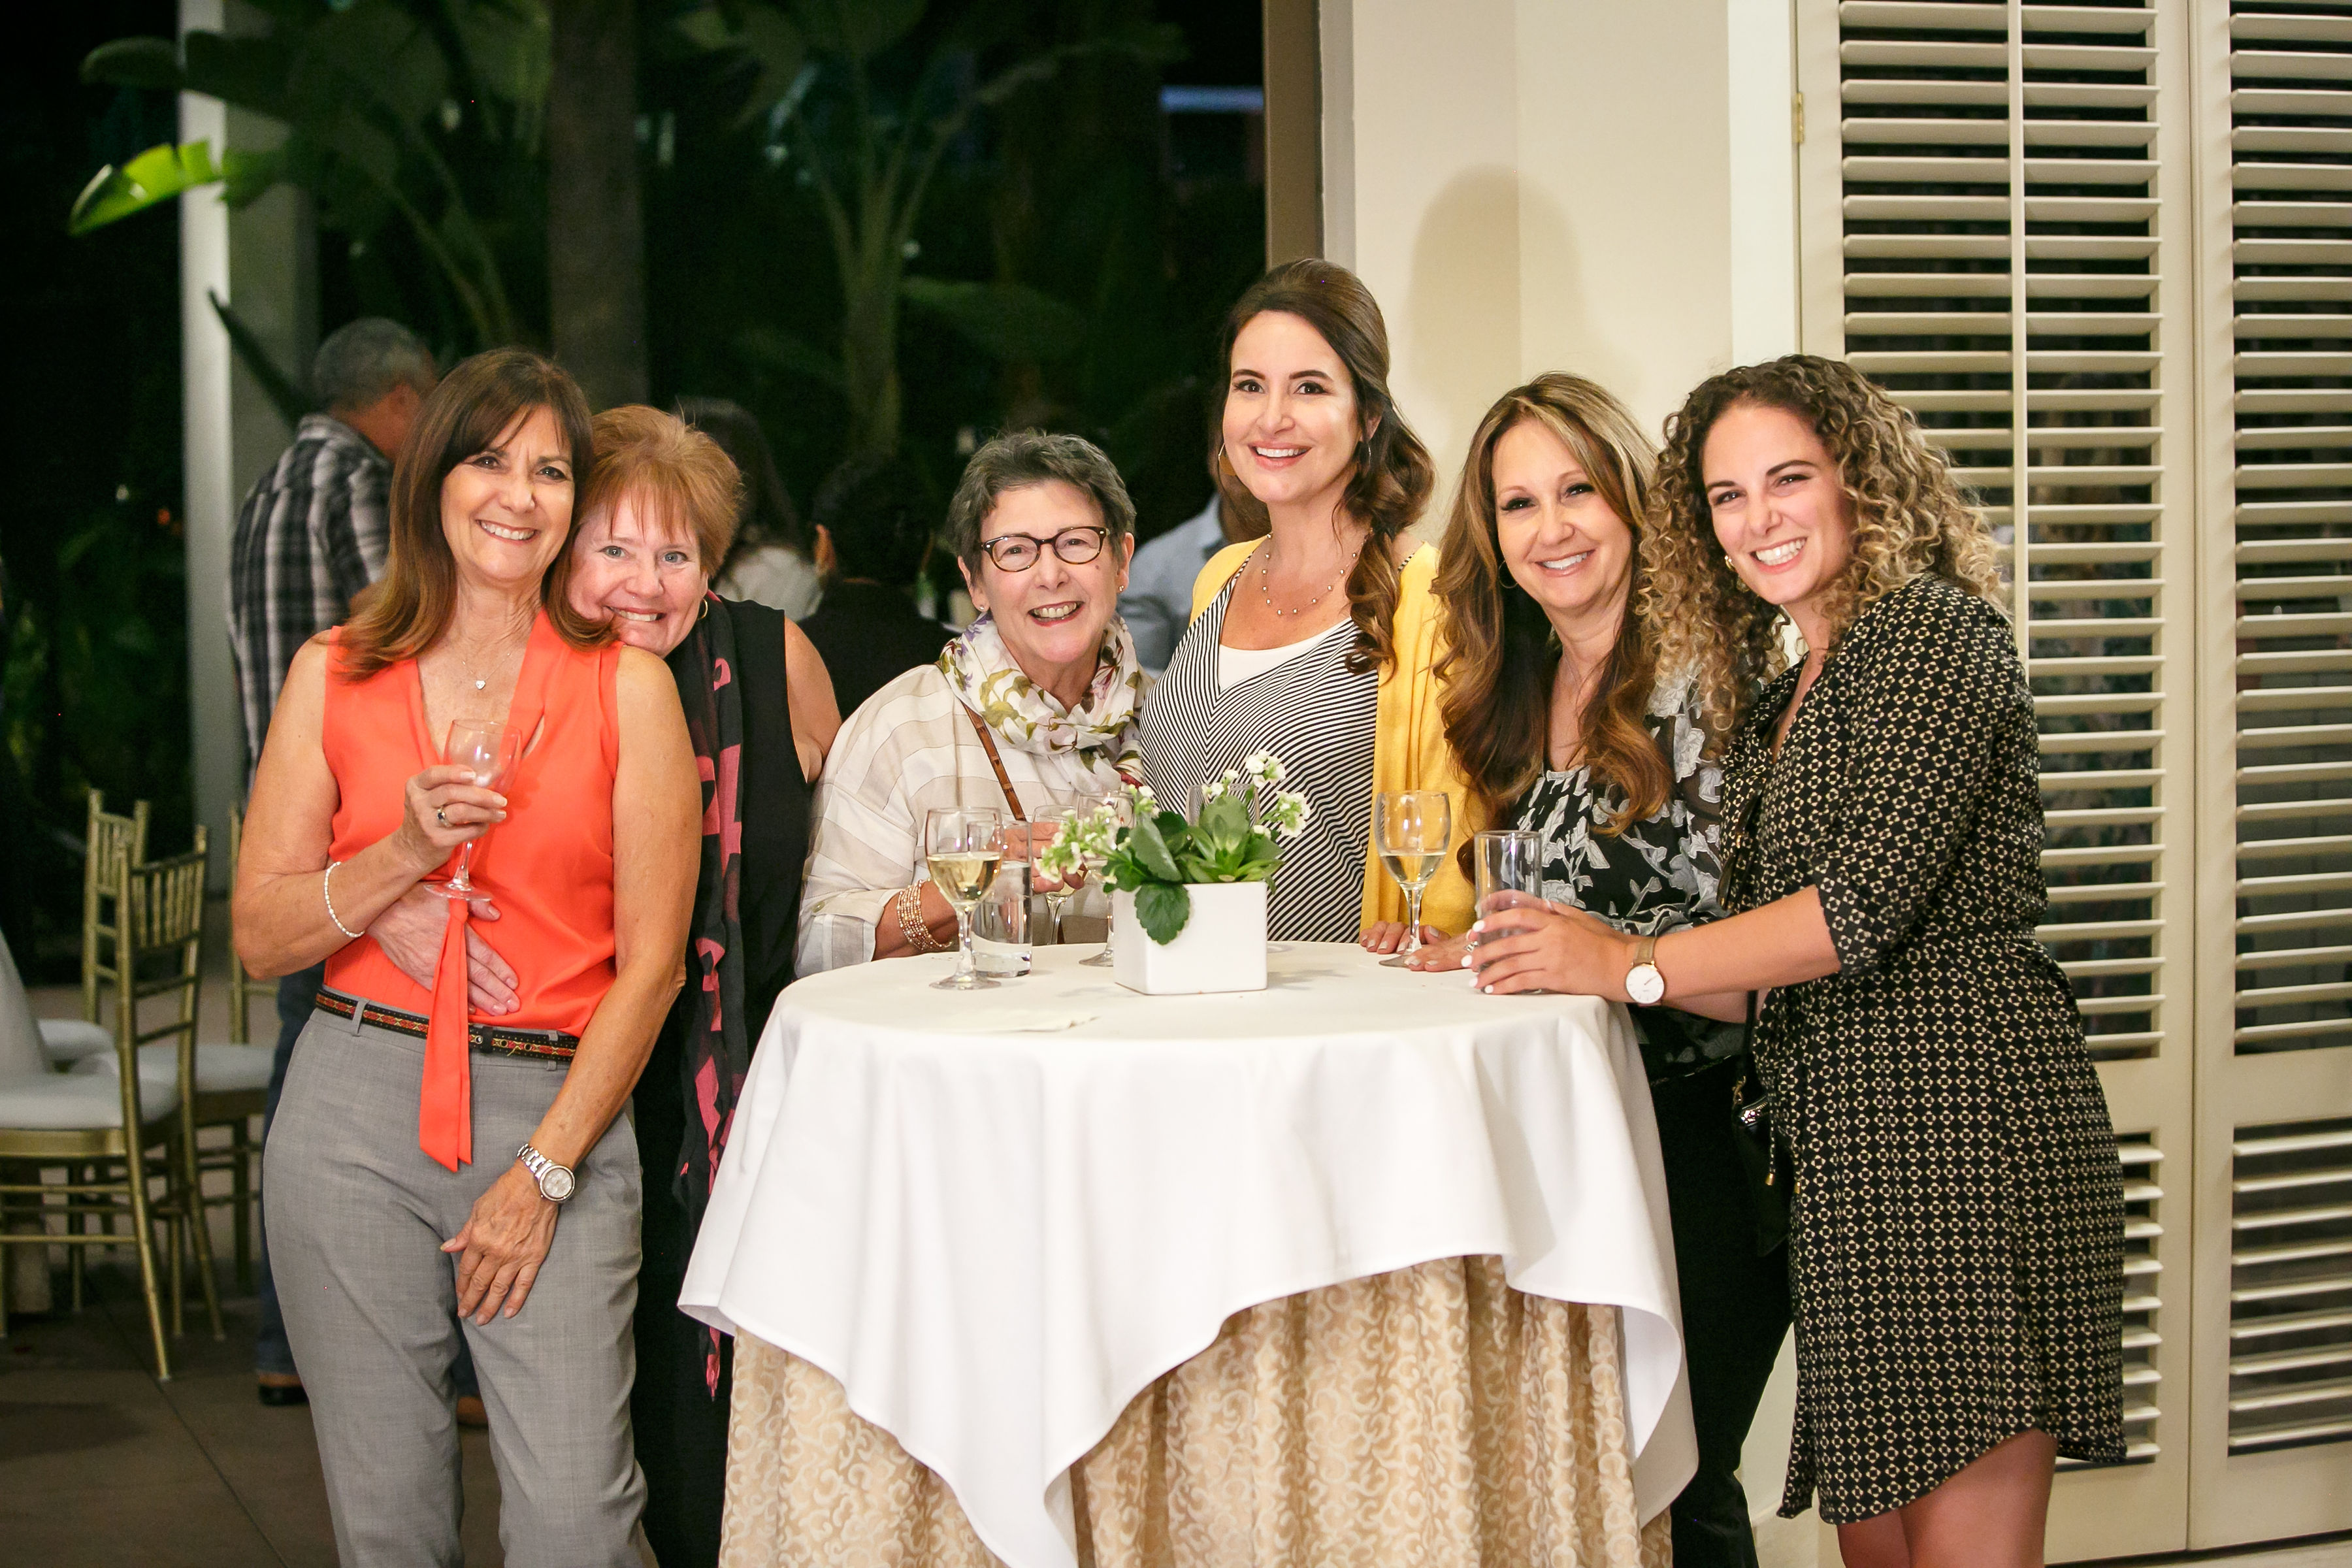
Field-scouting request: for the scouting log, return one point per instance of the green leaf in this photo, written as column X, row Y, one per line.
column 250, row 72
column 1150, row 848
column 861, row 29
column 150, row 64
column 780, row 349
column 1163, row 908
column 156, row 175
column 1008, row 320
column 248, row 176
column 1227, row 818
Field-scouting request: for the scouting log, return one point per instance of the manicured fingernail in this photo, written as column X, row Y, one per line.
column 1477, row 926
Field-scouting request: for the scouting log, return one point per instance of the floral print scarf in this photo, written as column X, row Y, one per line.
column 986, row 679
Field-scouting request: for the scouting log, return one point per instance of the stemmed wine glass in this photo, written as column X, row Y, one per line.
column 962, row 847
column 1043, row 829
column 480, row 745
column 1122, row 814
column 1412, row 829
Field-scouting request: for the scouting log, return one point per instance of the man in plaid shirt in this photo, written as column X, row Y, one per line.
column 314, row 533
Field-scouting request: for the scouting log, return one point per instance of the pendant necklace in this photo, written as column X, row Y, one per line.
column 1265, row 583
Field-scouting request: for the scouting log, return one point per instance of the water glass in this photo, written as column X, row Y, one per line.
column 1507, row 861
column 1000, row 922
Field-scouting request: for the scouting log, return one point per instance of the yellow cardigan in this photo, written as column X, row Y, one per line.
column 1409, row 749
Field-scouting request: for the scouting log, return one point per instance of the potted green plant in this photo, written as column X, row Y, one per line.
column 1187, row 898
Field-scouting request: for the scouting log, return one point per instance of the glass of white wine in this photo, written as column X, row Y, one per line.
column 1412, row 829
column 963, row 846
column 481, row 745
column 1122, row 814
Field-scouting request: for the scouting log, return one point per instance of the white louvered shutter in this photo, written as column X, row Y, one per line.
column 1996, row 228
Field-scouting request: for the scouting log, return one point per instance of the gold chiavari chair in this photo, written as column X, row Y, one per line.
column 233, row 1083
column 110, row 839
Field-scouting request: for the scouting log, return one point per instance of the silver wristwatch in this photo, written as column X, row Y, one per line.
column 555, row 1181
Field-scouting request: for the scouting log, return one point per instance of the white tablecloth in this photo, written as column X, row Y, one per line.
column 995, row 1217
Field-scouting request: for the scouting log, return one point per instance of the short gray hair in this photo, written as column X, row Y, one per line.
column 1023, row 457
column 362, row 361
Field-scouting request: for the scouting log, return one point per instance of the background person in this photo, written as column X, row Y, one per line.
column 1319, row 643
column 874, row 536
column 313, row 534
column 1043, row 684
column 1923, row 1052
column 772, row 560
column 1157, row 603
column 659, row 505
column 1564, row 727
column 394, row 1238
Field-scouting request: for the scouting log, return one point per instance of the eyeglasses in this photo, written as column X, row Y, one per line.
column 1020, row 552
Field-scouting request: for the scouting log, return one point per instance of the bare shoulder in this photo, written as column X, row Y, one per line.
column 641, row 677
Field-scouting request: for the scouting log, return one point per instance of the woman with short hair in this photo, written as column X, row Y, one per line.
column 1033, row 706
column 1319, row 642
column 1955, row 1234
column 390, row 1236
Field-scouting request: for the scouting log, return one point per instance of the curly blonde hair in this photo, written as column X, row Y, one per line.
column 1910, row 517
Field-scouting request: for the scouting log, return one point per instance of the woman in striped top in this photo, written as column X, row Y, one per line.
column 1340, row 685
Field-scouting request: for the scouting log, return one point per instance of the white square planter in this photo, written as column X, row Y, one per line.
column 1221, row 948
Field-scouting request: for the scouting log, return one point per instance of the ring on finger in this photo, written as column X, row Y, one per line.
column 440, row 816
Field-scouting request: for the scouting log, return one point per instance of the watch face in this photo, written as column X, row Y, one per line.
column 556, row 1184
column 1645, row 984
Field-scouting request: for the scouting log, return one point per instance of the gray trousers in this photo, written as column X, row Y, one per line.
column 357, row 1214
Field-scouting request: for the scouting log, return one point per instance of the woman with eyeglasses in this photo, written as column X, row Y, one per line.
column 1033, row 706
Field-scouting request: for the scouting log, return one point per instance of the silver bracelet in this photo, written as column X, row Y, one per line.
column 327, row 891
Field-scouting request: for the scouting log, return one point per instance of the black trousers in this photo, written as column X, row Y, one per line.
column 680, row 1426
column 1734, row 1304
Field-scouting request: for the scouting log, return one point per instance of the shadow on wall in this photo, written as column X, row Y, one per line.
column 1460, row 336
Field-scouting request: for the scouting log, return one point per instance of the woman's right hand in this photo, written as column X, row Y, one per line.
column 443, row 809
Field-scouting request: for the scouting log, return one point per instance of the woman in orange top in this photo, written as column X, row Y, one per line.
column 389, row 1239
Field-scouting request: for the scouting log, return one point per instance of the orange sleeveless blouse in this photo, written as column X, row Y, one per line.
column 548, row 868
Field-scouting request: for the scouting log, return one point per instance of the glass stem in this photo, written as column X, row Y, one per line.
column 966, row 970
column 1411, row 921
column 464, row 866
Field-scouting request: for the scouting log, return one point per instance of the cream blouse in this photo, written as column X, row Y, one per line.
column 907, row 750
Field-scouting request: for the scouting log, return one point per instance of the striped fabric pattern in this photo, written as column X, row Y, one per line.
column 1318, row 718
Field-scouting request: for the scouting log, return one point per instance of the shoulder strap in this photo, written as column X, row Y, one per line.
column 1004, row 779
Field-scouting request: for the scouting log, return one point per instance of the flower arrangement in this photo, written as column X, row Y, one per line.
column 1241, row 816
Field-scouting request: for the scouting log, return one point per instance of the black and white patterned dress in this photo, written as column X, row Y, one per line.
column 1314, row 714
column 1955, row 1236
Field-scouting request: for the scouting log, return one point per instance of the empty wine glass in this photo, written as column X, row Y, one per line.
column 1047, row 827
column 962, row 847
column 1122, row 814
column 480, row 745
column 1412, row 830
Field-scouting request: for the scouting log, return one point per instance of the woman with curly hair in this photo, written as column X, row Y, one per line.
column 1555, row 706
column 1318, row 641
column 1955, row 1234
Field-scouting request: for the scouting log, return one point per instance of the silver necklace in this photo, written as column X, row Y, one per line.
column 1265, row 582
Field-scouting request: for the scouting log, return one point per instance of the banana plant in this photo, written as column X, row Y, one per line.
column 369, row 94
column 870, row 163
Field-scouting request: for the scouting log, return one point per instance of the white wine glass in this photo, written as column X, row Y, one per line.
column 1045, row 828
column 480, row 745
column 963, row 846
column 1122, row 814
column 1412, row 830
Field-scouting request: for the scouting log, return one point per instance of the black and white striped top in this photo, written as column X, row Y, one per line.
column 1319, row 719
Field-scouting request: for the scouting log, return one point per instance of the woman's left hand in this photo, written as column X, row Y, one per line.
column 502, row 1243
column 1530, row 945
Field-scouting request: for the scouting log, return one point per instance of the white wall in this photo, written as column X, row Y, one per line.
column 1561, row 184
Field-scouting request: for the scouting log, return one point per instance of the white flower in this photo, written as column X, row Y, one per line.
column 1213, row 789
column 1288, row 814
column 1265, row 768
column 1143, row 797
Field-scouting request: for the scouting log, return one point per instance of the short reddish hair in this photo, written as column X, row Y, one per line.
column 680, row 479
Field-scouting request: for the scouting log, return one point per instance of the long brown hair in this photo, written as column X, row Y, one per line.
column 403, row 613
column 1501, row 656
column 1910, row 517
column 1392, row 476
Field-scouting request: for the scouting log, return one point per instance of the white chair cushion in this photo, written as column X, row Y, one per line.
column 77, row 1102
column 67, row 1040
column 220, row 1068
column 20, row 1040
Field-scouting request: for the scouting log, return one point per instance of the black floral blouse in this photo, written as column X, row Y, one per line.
column 1659, row 874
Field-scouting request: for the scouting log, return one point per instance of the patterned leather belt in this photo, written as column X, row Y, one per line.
column 549, row 1044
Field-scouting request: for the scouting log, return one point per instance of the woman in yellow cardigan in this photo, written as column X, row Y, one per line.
column 1318, row 643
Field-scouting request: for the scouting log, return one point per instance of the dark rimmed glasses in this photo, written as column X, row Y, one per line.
column 1020, row 552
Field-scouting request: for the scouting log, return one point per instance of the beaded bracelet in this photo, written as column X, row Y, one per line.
column 911, row 924
column 327, row 891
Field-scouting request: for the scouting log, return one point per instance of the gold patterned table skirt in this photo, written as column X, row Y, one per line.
column 1430, row 1416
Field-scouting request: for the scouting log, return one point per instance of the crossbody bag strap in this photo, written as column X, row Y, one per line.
column 1004, row 779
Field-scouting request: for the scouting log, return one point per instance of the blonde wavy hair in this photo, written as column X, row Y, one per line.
column 1910, row 517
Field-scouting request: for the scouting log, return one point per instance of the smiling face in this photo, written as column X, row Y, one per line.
column 646, row 578
column 1051, row 614
column 1559, row 538
column 1291, row 425
column 1779, row 508
column 506, row 510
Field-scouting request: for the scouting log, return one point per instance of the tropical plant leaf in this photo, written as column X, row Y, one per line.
column 860, row 28
column 780, row 349
column 152, row 65
column 250, row 72
column 1225, row 818
column 285, row 391
column 1163, row 908
column 246, row 177
column 1150, row 848
column 159, row 174
column 1008, row 320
